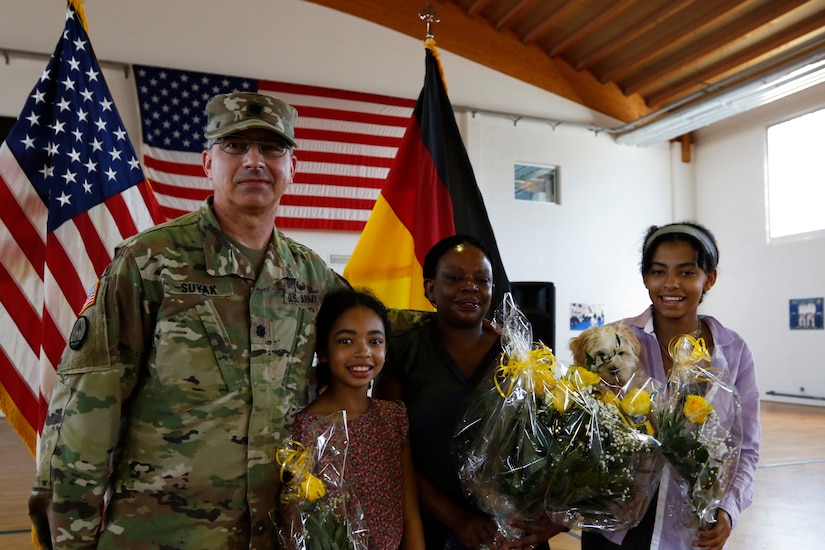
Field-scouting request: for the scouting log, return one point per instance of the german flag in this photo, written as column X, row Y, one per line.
column 430, row 193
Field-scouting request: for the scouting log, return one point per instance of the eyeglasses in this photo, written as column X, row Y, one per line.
column 239, row 145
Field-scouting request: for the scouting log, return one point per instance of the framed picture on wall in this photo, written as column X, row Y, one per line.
column 584, row 316
column 805, row 313
column 536, row 183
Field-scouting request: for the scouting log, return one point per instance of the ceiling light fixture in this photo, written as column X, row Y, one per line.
column 729, row 97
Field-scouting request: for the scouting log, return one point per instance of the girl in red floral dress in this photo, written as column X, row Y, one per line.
column 351, row 342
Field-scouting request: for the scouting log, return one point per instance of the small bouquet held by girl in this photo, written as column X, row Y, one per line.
column 543, row 439
column 700, row 430
column 316, row 510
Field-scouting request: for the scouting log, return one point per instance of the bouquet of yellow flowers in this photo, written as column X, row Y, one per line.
column 501, row 448
column 316, row 511
column 540, row 439
column 605, row 463
column 700, row 429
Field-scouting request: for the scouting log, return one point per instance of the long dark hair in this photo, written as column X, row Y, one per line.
column 334, row 305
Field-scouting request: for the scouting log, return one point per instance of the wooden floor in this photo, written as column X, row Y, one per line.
column 790, row 484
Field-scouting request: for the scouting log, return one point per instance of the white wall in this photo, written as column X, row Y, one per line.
column 757, row 277
column 588, row 246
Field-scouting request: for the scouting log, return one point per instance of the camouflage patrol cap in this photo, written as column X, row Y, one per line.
column 236, row 111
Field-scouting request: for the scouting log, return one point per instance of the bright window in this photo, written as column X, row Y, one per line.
column 796, row 179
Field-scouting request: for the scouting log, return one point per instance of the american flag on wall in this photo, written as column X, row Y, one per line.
column 346, row 144
column 71, row 188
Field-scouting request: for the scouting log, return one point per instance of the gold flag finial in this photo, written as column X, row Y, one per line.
column 430, row 15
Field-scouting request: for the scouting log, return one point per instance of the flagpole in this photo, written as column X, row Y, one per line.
column 430, row 15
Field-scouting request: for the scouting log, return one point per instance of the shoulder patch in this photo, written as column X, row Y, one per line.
column 79, row 332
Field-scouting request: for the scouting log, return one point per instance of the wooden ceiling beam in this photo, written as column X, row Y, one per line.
column 476, row 40
column 476, row 7
column 739, row 28
column 745, row 58
column 558, row 15
column 676, row 40
column 592, row 26
column 614, row 45
column 514, row 12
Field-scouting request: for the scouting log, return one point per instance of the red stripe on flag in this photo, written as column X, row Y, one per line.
column 312, row 178
column 326, row 202
column 315, row 223
column 22, row 231
column 177, row 168
column 151, row 202
column 17, row 303
column 181, row 192
column 96, row 251
column 309, row 111
column 172, row 213
column 122, row 218
column 317, row 134
column 24, row 400
column 333, row 93
column 53, row 341
column 342, row 158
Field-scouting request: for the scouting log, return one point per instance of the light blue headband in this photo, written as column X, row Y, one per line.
column 683, row 229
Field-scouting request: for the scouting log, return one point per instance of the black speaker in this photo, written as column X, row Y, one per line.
column 537, row 300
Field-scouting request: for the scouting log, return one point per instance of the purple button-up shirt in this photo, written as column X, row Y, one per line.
column 732, row 354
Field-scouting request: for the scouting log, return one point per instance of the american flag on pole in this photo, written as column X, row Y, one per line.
column 72, row 188
column 346, row 143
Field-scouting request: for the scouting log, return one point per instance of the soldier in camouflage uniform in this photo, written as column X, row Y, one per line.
column 186, row 366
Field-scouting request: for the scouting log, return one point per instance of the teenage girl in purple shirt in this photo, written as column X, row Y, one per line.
column 678, row 267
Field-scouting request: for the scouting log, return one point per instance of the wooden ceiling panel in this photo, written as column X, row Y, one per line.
column 624, row 58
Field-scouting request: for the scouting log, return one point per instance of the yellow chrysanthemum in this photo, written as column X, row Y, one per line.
column 561, row 396
column 697, row 409
column 582, row 377
column 312, row 488
column 543, row 380
column 636, row 402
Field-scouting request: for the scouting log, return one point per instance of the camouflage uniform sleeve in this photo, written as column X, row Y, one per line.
column 96, row 374
column 403, row 320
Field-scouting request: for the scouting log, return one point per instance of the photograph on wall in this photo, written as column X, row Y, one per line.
column 584, row 316
column 536, row 183
column 806, row 313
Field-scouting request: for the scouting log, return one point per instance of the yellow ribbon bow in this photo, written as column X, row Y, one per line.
column 537, row 365
column 294, row 460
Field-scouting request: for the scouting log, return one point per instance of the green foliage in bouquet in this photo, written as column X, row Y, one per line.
column 701, row 445
column 684, row 450
column 523, row 472
column 323, row 529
